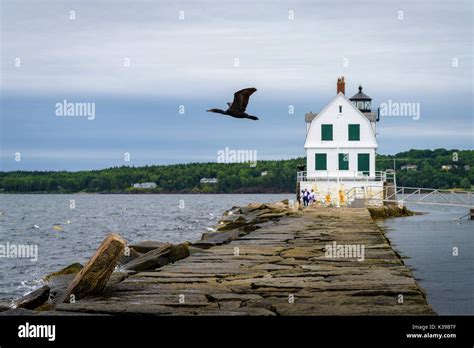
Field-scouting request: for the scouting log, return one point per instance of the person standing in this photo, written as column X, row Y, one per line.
column 312, row 197
column 305, row 197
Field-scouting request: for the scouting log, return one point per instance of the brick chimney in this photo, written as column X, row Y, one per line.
column 341, row 85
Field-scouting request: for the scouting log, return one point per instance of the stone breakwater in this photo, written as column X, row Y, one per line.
column 262, row 259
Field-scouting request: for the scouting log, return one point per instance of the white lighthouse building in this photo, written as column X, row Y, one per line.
column 341, row 147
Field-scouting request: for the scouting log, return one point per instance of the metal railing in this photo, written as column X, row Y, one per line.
column 417, row 195
column 301, row 176
column 357, row 176
column 369, row 194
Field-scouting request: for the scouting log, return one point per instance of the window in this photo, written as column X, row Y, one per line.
column 326, row 132
column 321, row 161
column 340, row 109
column 354, row 132
column 363, row 163
column 343, row 161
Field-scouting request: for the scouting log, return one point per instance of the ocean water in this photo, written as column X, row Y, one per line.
column 427, row 244
column 69, row 228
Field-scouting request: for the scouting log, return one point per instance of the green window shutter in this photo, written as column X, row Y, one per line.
column 321, row 161
column 354, row 132
column 343, row 161
column 326, row 132
column 363, row 163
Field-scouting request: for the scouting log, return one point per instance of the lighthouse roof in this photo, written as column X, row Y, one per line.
column 360, row 96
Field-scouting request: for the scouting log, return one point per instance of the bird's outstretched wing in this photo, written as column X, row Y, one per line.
column 241, row 99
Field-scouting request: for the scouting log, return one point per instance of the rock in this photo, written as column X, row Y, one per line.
column 18, row 312
column 4, row 306
column 273, row 215
column 58, row 285
column 251, row 207
column 94, row 276
column 259, row 212
column 116, row 278
column 255, row 213
column 217, row 238
column 249, row 228
column 219, row 235
column 232, row 222
column 150, row 260
column 389, row 211
column 71, row 269
column 236, row 218
column 42, row 311
column 232, row 211
column 146, row 246
column 34, row 299
column 195, row 250
column 132, row 255
column 159, row 257
column 45, row 307
column 275, row 208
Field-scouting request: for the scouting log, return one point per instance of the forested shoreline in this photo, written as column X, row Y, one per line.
column 276, row 176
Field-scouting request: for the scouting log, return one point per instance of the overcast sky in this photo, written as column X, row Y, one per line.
column 184, row 53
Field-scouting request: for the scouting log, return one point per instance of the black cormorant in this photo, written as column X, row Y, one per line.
column 237, row 107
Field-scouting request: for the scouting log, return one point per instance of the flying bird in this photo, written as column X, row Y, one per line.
column 239, row 105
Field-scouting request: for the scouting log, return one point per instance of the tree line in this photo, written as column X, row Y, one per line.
column 458, row 172
column 277, row 176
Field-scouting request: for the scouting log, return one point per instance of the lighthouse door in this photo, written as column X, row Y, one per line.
column 363, row 163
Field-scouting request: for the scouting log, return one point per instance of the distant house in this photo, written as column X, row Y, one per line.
column 145, row 185
column 467, row 167
column 409, row 167
column 264, row 173
column 390, row 171
column 448, row 167
column 209, row 181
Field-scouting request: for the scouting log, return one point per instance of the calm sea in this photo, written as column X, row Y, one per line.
column 85, row 219
column 69, row 228
column 427, row 243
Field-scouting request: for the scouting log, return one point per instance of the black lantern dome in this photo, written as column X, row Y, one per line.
column 361, row 101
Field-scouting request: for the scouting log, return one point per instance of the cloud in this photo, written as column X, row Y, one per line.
column 453, row 131
column 191, row 62
column 195, row 56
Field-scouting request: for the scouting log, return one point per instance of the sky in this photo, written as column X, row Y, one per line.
column 142, row 63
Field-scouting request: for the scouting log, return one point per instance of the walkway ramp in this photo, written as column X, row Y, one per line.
column 416, row 195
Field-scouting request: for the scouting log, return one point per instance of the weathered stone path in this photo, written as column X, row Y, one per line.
column 263, row 271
